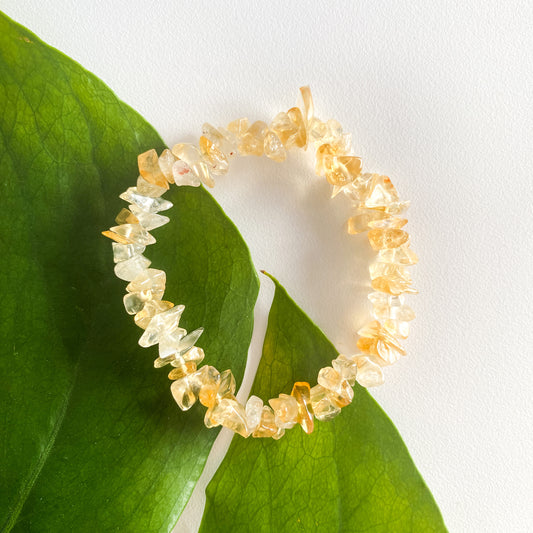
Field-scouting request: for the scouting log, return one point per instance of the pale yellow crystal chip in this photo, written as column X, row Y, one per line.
column 116, row 237
column 286, row 410
column 285, row 128
column 301, row 392
column 296, row 117
column 183, row 370
column 238, row 127
column 152, row 205
column 387, row 238
column 378, row 341
column 194, row 159
column 364, row 217
column 340, row 391
column 343, row 169
column 149, row 189
column 223, row 139
column 161, row 325
column 369, row 374
column 216, row 159
column 390, row 278
column 252, row 142
column 134, row 301
column 126, row 217
column 166, row 161
column 229, row 413
column 267, row 426
column 121, row 252
column 129, row 269
column 186, row 389
column 402, row 255
column 390, row 307
column 151, row 279
column 380, row 193
column 150, row 170
column 224, row 387
column 323, row 408
column 308, row 106
column 254, row 410
column 346, row 367
column 148, row 221
column 273, row 147
column 133, row 233
column 150, row 309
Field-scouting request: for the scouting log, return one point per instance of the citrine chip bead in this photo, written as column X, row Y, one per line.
column 273, row 147
column 343, row 169
column 376, row 340
column 129, row 269
column 253, row 141
column 301, row 392
column 402, row 255
column 341, row 393
column 134, row 301
column 217, row 160
column 158, row 318
column 148, row 221
column 150, row 170
column 254, row 410
column 296, row 117
column 152, row 205
column 387, row 238
column 381, row 193
column 360, row 222
column 346, row 367
column 133, row 233
column 126, row 217
column 369, row 374
column 229, row 413
column 183, row 370
column 121, row 252
column 166, row 161
column 149, row 189
column 150, row 279
column 267, row 426
column 322, row 406
column 286, row 410
column 194, row 159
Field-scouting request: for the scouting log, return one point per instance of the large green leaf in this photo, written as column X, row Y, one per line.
column 353, row 474
column 90, row 437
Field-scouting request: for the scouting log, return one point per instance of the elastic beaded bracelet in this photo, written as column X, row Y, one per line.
column 376, row 207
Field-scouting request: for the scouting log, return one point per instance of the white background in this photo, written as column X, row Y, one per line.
column 439, row 97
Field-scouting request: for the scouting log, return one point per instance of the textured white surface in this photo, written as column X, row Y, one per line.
column 438, row 96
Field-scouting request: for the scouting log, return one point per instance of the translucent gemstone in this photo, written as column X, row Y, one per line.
column 308, row 107
column 195, row 354
column 317, row 131
column 206, row 378
column 274, row 148
column 150, row 309
column 161, row 323
column 152, row 205
column 357, row 189
column 369, row 374
column 192, row 156
column 239, row 127
column 115, row 237
column 252, row 142
column 169, row 340
column 301, row 391
column 150, row 170
column 392, row 285
column 216, row 159
column 341, row 393
column 400, row 328
column 296, row 117
column 286, row 410
column 166, row 160
column 381, row 193
column 395, row 208
column 378, row 269
column 134, row 301
column 267, row 426
column 390, row 307
column 346, row 367
column 387, row 238
column 224, row 140
column 183, row 393
column 178, row 344
column 149, row 189
column 360, row 222
column 285, row 128
column 323, row 408
column 324, row 158
column 131, row 268
column 402, row 255
column 224, row 387
column 254, row 410
column 183, row 370
column 389, row 222
column 183, row 175
column 133, row 233
column 151, row 279
column 126, row 217
column 121, row 252
column 229, row 413
column 378, row 341
column 149, row 221
column 343, row 169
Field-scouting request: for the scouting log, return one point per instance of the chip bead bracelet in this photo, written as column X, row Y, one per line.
column 376, row 209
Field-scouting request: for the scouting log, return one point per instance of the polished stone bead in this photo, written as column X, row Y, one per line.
column 387, row 307
column 360, row 222
column 267, row 426
column 286, row 410
column 378, row 341
column 229, row 413
column 252, row 142
column 192, row 156
column 369, row 374
column 184, row 176
column 285, row 128
column 388, row 222
column 148, row 221
column 387, row 238
column 169, row 340
column 206, row 377
column 182, row 344
column 150, row 170
column 182, row 370
column 239, row 128
column 216, row 159
column 274, row 148
column 296, row 117
column 183, row 393
column 323, row 408
column 149, row 189
column 324, row 158
column 380, row 193
column 121, row 252
column 346, row 367
column 134, row 301
column 129, row 269
column 152, row 205
column 187, row 388
column 126, row 217
column 343, row 169
column 162, row 324
column 151, row 279
column 195, row 354
column 399, row 328
column 317, row 131
column 150, row 309
column 223, row 388
column 133, row 233
column 308, row 106
column 166, row 161
column 402, row 255
column 254, row 410
column 301, row 392
column 390, row 278
column 223, row 139
column 341, row 393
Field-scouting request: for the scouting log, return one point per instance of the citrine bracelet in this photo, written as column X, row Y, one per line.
column 376, row 209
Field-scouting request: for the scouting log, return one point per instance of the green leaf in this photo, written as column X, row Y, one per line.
column 91, row 439
column 353, row 474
